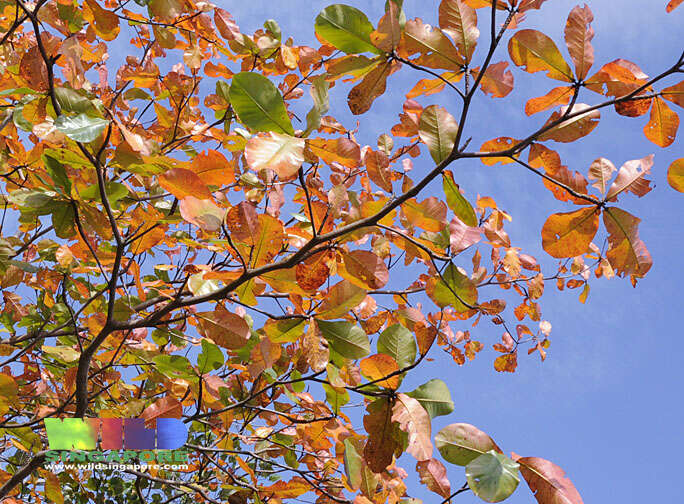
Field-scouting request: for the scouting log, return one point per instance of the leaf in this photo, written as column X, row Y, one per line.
column 165, row 407
column 458, row 20
column 319, row 94
column 315, row 349
column 429, row 214
column 497, row 80
column 557, row 96
column 181, row 183
column 415, row 421
column 258, row 103
column 673, row 4
column 570, row 234
column 433, row 474
column 675, row 175
column 268, row 241
column 507, row 362
column 210, row 358
column 377, row 167
column 435, row 397
column 435, row 48
column 462, row 236
column 81, row 128
column 106, row 22
column 675, row 94
column 365, row 269
column 627, row 253
column 226, row 329
column 340, row 150
column 398, row 342
column 601, row 170
column 166, row 10
column 578, row 36
column 381, row 444
column 345, row 28
column 362, row 96
column 630, row 178
column 353, row 464
column 53, row 488
column 461, row 443
column 437, row 129
column 547, row 481
column 283, row 154
column 284, row 330
column 376, row 367
column 387, row 36
column 340, row 299
column 492, row 476
column 536, row 52
column 313, row 271
column 453, row 288
column 203, row 213
column 347, row 339
column 574, row 128
column 457, row 203
column 663, row 124
column 498, row 145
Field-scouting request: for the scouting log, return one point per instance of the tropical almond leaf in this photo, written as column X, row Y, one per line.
column 458, row 20
column 399, row 343
column 462, row 236
column 578, row 36
column 435, row 397
column 536, row 52
column 630, row 178
column 453, row 288
column 379, row 366
column 627, row 253
column 377, row 167
column 461, row 443
column 340, row 299
column 283, row 154
column 226, row 329
column 81, row 128
column 433, row 474
column 437, row 129
column 346, row 28
column 258, row 103
column 675, row 94
column 381, row 444
column 662, row 127
column 547, row 481
column 601, row 170
column 675, row 175
column 415, row 421
column 429, row 214
column 387, row 36
column 365, row 269
column 373, row 85
column 497, row 80
column 570, row 234
column 346, row 338
column 557, row 96
column 340, row 150
column 203, row 213
column 492, row 476
column 578, row 126
column 181, row 183
column 673, row 4
column 434, row 47
column 498, row 145
column 457, row 203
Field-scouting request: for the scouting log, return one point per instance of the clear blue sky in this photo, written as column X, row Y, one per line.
column 604, row 405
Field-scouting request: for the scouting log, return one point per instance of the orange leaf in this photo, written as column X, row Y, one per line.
column 536, row 52
column 213, row 168
column 341, row 150
column 427, row 87
column 381, row 444
column 663, row 125
column 557, row 96
column 203, row 213
column 166, row 407
column 435, row 48
column 673, row 4
column 675, row 94
column 340, row 299
column 578, row 35
column 574, row 128
column 313, row 272
column 181, row 183
column 675, row 175
column 386, row 37
column 377, row 166
column 627, row 253
column 498, row 145
column 378, row 366
column 458, row 20
column 630, row 178
column 365, row 269
column 507, row 362
column 105, row 22
column 433, row 475
column 430, row 214
column 497, row 80
column 569, row 234
column 362, row 96
column 226, row 329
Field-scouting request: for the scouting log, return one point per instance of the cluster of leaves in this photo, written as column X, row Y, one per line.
column 172, row 245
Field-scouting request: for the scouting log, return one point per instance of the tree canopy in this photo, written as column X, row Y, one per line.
column 189, row 232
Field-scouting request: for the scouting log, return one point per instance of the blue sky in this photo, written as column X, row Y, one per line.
column 604, row 404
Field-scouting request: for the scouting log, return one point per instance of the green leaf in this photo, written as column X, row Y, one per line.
column 347, row 339
column 346, row 28
column 461, row 443
column 399, row 343
column 492, row 476
column 457, row 203
column 72, row 101
column 284, row 331
column 258, row 103
column 353, row 464
column 336, row 398
column 210, row 358
column 435, row 397
column 64, row 220
column 57, row 173
column 81, row 128
column 437, row 129
column 452, row 289
column 319, row 93
column 62, row 354
column 174, row 366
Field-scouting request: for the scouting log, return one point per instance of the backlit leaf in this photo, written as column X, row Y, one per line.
column 569, row 234
column 557, row 96
column 458, row 20
column 399, row 343
column 435, row 397
column 438, row 129
column 258, row 103
column 415, row 421
column 536, row 52
column 663, row 124
column 346, row 338
column 340, row 299
column 578, row 35
column 346, row 28
column 433, row 474
column 461, row 443
column 365, row 269
column 492, row 476
column 81, row 128
column 630, row 178
column 601, row 170
column 283, row 154
column 181, row 183
column 675, row 175
column 453, row 288
column 457, row 203
column 435, row 48
column 226, row 329
column 547, row 481
column 627, row 254
column 574, row 128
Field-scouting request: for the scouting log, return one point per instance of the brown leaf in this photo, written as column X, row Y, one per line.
column 557, row 96
column 242, row 222
column 381, row 444
column 386, row 37
column 181, row 183
column 226, row 329
column 340, row 299
column 578, row 35
column 569, row 234
column 627, row 253
column 365, row 269
column 663, row 125
column 630, row 178
column 547, row 481
column 166, row 407
column 435, row 49
column 377, row 166
column 105, row 22
column 497, row 80
column 601, row 170
column 433, row 474
column 506, row 363
column 378, row 366
column 415, row 421
column 458, row 20
column 315, row 348
column 362, row 96
column 313, row 271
